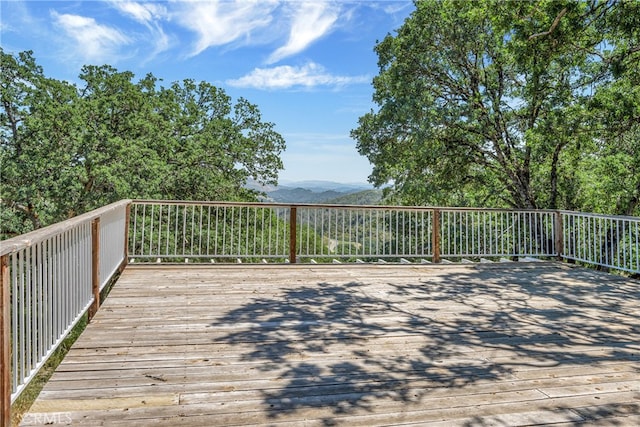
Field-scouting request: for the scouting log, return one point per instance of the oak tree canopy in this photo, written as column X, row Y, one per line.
column 66, row 148
column 527, row 104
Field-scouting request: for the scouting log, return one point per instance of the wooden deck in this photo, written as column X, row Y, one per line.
column 457, row 345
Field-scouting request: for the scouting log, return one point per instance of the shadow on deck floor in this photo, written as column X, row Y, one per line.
column 466, row 345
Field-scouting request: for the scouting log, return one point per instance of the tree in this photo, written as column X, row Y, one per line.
column 36, row 146
column 488, row 102
column 614, row 116
column 66, row 149
column 214, row 147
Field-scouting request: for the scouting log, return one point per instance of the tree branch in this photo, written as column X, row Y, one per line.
column 553, row 25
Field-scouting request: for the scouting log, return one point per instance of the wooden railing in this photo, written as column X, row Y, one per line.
column 51, row 277
column 213, row 232
column 603, row 240
column 259, row 232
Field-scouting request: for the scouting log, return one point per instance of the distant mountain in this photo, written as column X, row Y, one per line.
column 301, row 195
column 320, row 186
column 312, row 191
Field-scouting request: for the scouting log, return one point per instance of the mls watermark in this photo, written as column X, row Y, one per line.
column 47, row 418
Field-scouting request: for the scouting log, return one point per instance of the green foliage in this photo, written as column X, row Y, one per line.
column 613, row 187
column 66, row 149
column 506, row 103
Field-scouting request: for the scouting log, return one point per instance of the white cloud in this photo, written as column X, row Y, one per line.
column 93, row 41
column 311, row 21
column 149, row 15
column 286, row 76
column 393, row 8
column 15, row 16
column 145, row 13
column 219, row 23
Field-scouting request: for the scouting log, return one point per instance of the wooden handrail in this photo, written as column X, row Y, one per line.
column 331, row 206
column 34, row 237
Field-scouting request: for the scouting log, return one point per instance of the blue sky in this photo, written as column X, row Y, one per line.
column 307, row 65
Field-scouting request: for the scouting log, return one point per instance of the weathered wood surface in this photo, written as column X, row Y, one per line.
column 467, row 345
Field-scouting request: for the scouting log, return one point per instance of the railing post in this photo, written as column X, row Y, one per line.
column 95, row 267
column 435, row 235
column 5, row 342
column 292, row 234
column 127, row 218
column 559, row 233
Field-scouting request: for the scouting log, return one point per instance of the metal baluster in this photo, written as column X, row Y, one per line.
column 16, row 320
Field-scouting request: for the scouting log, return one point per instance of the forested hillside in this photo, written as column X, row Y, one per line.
column 300, row 195
column 341, row 194
column 528, row 104
column 366, row 197
column 66, row 148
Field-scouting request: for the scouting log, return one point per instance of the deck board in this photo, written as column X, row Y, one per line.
column 466, row 345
